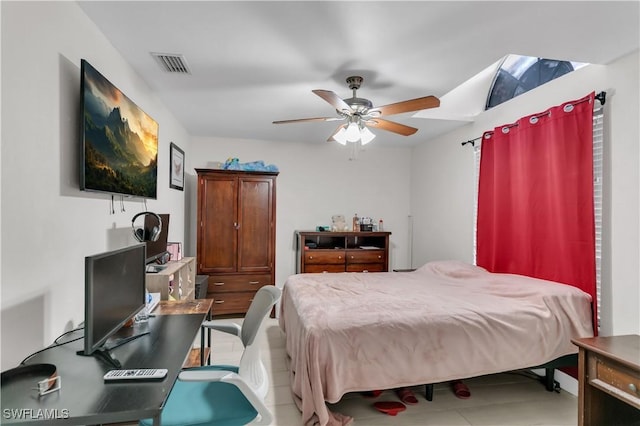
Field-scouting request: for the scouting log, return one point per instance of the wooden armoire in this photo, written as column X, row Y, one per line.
column 236, row 235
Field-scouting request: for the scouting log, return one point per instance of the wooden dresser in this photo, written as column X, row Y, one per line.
column 236, row 235
column 342, row 251
column 609, row 380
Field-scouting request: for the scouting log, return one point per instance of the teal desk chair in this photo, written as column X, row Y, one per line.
column 224, row 395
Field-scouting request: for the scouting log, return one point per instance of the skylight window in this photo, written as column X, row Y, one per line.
column 519, row 74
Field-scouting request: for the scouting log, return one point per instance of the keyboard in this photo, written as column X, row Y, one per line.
column 136, row 374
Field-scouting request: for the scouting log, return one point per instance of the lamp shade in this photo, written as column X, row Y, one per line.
column 340, row 136
column 366, row 135
column 352, row 133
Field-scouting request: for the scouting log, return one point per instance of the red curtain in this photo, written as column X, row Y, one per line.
column 535, row 197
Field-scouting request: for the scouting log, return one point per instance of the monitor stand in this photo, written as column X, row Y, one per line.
column 105, row 354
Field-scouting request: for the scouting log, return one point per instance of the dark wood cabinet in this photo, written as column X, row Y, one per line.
column 236, row 235
column 342, row 251
column 609, row 380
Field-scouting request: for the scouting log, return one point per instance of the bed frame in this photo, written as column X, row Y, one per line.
column 548, row 379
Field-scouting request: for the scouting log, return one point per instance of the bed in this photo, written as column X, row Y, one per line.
column 447, row 320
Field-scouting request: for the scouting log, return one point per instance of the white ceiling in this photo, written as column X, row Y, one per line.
column 256, row 62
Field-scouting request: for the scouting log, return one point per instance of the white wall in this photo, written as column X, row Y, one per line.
column 48, row 225
column 443, row 187
column 317, row 181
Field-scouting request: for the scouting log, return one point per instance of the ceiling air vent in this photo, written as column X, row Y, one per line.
column 172, row 63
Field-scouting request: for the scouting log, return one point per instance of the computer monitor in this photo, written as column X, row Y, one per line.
column 114, row 293
column 155, row 249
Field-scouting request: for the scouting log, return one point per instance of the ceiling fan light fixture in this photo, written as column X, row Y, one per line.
column 366, row 135
column 352, row 134
column 340, row 136
column 360, row 113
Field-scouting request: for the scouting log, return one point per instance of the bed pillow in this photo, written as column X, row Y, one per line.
column 452, row 268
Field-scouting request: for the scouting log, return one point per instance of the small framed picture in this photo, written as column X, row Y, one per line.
column 175, row 250
column 176, row 174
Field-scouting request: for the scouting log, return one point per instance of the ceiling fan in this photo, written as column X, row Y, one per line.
column 359, row 113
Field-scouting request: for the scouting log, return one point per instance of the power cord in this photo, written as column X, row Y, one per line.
column 55, row 344
column 65, row 333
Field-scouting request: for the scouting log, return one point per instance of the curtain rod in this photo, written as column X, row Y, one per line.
column 602, row 97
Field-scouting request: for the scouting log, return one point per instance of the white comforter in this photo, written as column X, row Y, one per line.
column 447, row 320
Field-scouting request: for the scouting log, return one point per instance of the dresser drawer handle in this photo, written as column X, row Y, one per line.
column 310, row 257
column 254, row 282
column 352, row 257
column 379, row 257
column 219, row 302
column 339, row 257
column 633, row 388
column 218, row 283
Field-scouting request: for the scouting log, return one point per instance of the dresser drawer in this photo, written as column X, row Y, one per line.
column 231, row 303
column 365, row 267
column 309, row 269
column 615, row 379
column 365, row 256
column 333, row 257
column 237, row 282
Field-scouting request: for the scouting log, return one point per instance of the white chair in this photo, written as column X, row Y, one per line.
column 224, row 395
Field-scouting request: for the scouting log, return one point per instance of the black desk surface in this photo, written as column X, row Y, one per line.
column 85, row 398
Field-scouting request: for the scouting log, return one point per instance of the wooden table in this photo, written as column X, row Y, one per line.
column 187, row 307
column 609, row 380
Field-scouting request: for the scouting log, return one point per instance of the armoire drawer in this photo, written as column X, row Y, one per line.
column 365, row 256
column 365, row 267
column 231, row 303
column 324, row 257
column 237, row 282
column 310, row 269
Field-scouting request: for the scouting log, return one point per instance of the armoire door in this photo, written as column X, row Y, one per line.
column 218, row 227
column 256, row 224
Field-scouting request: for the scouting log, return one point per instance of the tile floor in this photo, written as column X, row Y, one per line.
column 503, row 399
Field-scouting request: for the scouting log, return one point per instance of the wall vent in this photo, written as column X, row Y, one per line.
column 169, row 62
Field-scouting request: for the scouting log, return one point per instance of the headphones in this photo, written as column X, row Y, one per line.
column 141, row 234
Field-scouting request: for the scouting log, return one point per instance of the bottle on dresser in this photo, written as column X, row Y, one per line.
column 356, row 223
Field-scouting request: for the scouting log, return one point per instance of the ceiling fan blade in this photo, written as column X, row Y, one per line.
column 391, row 126
column 334, row 100
column 302, row 120
column 331, row 139
column 407, row 106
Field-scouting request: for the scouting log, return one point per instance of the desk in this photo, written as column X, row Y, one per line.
column 609, row 380
column 85, row 398
column 198, row 306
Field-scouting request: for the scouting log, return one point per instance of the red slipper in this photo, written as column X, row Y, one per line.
column 460, row 389
column 371, row 394
column 391, row 408
column 406, row 395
